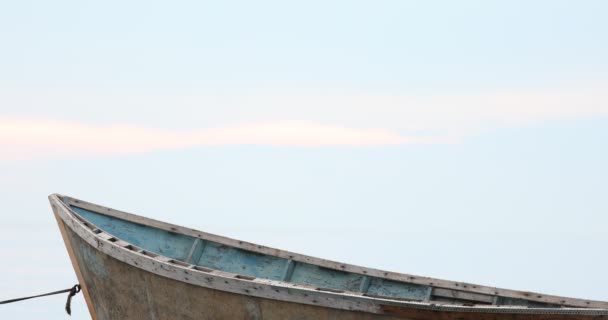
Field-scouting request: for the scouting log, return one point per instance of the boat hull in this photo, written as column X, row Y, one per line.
column 120, row 291
column 120, row 281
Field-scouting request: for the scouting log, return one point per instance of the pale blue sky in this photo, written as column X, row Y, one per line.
column 386, row 45
column 485, row 126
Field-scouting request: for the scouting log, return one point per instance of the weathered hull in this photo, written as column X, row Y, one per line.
column 121, row 291
column 121, row 281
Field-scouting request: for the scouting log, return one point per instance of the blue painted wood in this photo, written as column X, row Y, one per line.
column 288, row 270
column 198, row 251
column 221, row 257
column 429, row 293
column 365, row 284
column 161, row 242
column 389, row 288
column 312, row 275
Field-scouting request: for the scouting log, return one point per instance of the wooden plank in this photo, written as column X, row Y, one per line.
column 364, row 284
column 289, row 266
column 195, row 245
column 462, row 295
column 429, row 294
column 106, row 236
column 163, row 258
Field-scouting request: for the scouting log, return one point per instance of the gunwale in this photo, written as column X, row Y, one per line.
column 287, row 291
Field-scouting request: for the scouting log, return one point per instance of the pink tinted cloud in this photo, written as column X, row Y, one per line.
column 448, row 118
column 456, row 114
column 26, row 138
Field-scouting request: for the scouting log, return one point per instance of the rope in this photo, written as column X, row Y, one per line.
column 72, row 292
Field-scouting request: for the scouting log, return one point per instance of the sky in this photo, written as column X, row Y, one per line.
column 463, row 140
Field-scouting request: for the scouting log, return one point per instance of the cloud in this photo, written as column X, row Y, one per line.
column 409, row 113
column 23, row 137
column 177, row 120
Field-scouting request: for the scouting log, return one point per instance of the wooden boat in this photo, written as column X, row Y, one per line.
column 131, row 267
